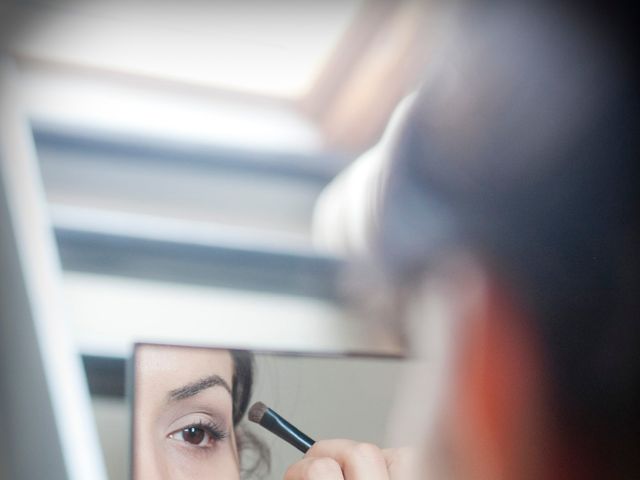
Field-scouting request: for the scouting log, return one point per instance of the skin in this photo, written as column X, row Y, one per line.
column 346, row 459
column 165, row 408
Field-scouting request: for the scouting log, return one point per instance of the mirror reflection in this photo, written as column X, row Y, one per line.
column 191, row 404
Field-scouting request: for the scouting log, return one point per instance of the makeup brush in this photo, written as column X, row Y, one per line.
column 263, row 415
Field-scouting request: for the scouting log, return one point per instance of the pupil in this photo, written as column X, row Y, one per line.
column 193, row 435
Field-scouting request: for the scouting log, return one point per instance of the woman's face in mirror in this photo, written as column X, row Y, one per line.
column 183, row 414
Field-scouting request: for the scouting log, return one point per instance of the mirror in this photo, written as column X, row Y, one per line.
column 190, row 404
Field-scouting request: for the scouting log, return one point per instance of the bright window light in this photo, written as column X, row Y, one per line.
column 272, row 48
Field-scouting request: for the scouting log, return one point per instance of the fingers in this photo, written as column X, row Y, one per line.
column 349, row 460
column 323, row 468
column 401, row 463
column 357, row 461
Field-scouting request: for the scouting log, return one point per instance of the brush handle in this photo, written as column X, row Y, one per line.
column 283, row 429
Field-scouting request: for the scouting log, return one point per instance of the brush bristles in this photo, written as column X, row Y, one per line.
column 257, row 411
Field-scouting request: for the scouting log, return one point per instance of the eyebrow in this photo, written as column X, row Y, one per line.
column 196, row 387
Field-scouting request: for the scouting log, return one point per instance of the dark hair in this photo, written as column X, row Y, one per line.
column 254, row 454
column 242, row 383
column 538, row 174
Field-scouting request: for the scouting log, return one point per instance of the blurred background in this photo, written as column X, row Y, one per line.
column 182, row 146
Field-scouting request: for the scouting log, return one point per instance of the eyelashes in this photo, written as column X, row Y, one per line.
column 202, row 434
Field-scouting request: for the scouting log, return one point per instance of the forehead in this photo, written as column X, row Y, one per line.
column 172, row 367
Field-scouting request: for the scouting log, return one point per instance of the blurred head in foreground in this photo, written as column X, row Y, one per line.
column 501, row 206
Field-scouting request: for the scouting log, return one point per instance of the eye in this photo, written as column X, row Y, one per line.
column 199, row 435
column 193, row 435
